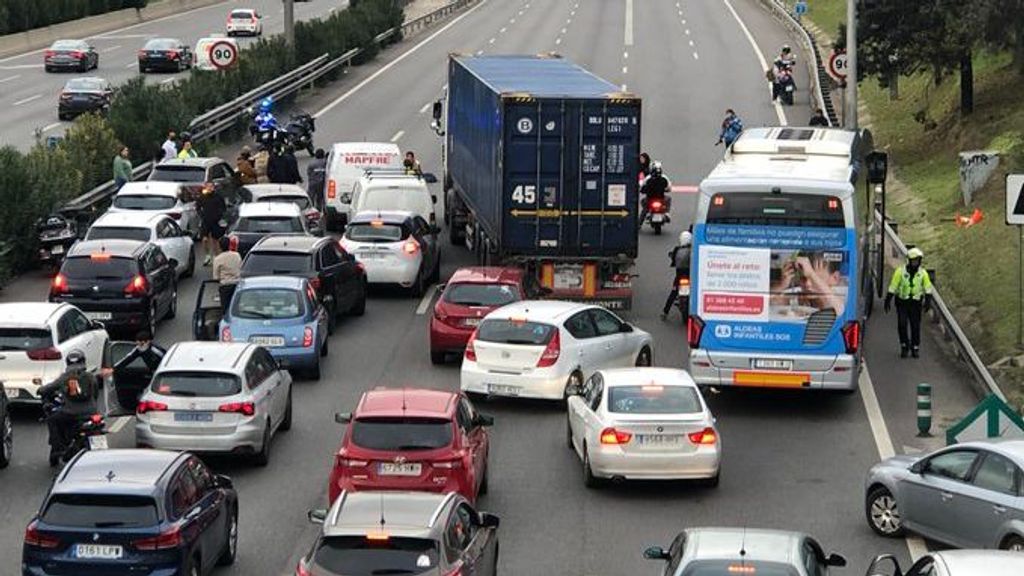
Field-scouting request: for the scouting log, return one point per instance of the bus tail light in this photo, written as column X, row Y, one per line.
column 851, row 336
column 694, row 330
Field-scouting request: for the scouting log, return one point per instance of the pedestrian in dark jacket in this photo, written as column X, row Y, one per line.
column 284, row 167
column 818, row 119
column 316, row 178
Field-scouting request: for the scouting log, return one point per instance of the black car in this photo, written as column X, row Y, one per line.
column 70, row 55
column 125, row 284
column 337, row 277
column 82, row 95
column 166, row 54
column 6, row 430
column 257, row 220
column 133, row 511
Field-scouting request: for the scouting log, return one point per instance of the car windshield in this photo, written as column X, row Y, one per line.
column 734, row 567
column 118, row 233
column 99, row 268
column 276, row 263
column 24, row 339
column 85, row 85
column 492, row 295
column 267, row 304
column 178, row 173
column 144, row 202
column 301, row 201
column 69, row 45
column 402, row 433
column 100, row 511
column 515, row 332
column 375, row 232
column 269, row 224
column 161, row 44
column 198, row 384
column 653, row 399
column 361, row 556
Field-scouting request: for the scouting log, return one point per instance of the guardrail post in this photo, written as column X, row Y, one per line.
column 924, row 410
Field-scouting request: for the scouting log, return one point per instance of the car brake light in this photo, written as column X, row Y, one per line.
column 470, row 350
column 49, row 54
column 705, row 437
column 411, row 246
column 301, row 569
column 361, row 267
column 613, row 436
column 150, row 406
column 167, row 539
column 332, row 188
column 50, row 353
column 719, row 200
column 551, row 352
column 350, row 463
column 172, row 54
column 225, row 334
column 137, row 287
column 142, row 54
column 313, row 214
column 59, row 284
column 33, row 537
column 307, row 337
column 243, row 408
column 851, row 336
column 694, row 330
column 742, row 569
column 78, row 55
column 233, row 243
column 455, row 572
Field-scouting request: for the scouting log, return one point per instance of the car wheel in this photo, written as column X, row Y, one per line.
column 883, row 513
column 152, row 318
column 227, row 558
column 1013, row 543
column 286, row 422
column 575, row 380
column 6, row 440
column 644, row 357
column 263, row 456
column 190, row 270
column 314, row 372
column 332, row 318
column 172, row 310
column 420, row 285
column 657, row 229
column 437, row 358
column 61, row 116
column 193, row 567
column 359, row 308
column 589, row 480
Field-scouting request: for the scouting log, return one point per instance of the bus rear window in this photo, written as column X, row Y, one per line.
column 756, row 209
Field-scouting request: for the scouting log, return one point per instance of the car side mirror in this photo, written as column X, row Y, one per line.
column 484, row 420
column 625, row 328
column 429, row 178
column 317, row 516
column 433, row 198
column 342, row 417
column 837, row 560
column 918, row 467
column 438, row 110
column 97, row 325
column 656, row 553
column 222, row 481
column 878, row 566
column 488, row 520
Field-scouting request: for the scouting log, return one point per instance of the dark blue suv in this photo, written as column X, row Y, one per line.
column 129, row 512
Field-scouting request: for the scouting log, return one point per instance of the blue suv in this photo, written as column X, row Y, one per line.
column 126, row 512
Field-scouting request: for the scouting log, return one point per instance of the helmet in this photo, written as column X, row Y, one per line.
column 266, row 104
column 75, row 357
column 656, row 167
column 915, row 254
column 685, row 238
column 785, row 49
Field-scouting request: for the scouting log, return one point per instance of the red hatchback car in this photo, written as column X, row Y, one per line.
column 471, row 294
column 413, row 439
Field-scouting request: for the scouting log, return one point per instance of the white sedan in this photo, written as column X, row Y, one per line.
column 643, row 423
column 541, row 349
column 145, row 226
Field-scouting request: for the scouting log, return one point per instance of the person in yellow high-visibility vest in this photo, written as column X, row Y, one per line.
column 912, row 287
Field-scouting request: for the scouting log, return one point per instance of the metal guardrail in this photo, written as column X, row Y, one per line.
column 214, row 122
column 949, row 324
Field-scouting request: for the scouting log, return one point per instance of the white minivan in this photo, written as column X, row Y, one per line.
column 346, row 163
column 389, row 190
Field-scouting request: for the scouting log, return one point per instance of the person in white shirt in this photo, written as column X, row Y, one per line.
column 169, row 147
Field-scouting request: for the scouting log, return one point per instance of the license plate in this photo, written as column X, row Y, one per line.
column 659, row 439
column 771, row 364
column 267, row 340
column 471, row 321
column 193, row 417
column 98, row 315
column 57, row 249
column 396, row 469
column 684, row 290
column 98, row 442
column 568, row 277
column 101, row 551
column 657, row 218
column 503, row 389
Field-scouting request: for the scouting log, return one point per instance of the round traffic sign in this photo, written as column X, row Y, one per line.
column 838, row 63
column 223, row 54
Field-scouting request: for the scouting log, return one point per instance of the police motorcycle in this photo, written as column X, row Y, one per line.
column 55, row 235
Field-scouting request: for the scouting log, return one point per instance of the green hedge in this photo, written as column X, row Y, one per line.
column 21, row 15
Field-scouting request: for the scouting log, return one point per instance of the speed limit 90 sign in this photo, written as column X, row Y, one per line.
column 223, row 54
column 838, row 65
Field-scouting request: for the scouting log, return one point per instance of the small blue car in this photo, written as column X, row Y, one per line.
column 282, row 314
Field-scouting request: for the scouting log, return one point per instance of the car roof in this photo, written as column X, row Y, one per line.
column 28, row 314
column 292, row 282
column 200, row 161
column 642, row 375
column 255, row 209
column 405, row 513
column 386, row 216
column 150, row 188
column 987, row 562
column 116, row 248
column 1011, row 448
column 207, row 356
column 116, row 471
column 286, row 243
column 393, row 179
column 538, row 310
column 757, row 544
column 487, row 275
column 131, row 219
column 365, row 148
column 411, row 402
column 276, row 189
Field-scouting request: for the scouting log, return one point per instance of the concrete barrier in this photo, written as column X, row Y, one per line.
column 21, row 42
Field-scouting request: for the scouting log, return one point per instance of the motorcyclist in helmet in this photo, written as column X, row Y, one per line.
column 265, row 119
column 655, row 187
column 78, row 387
column 680, row 261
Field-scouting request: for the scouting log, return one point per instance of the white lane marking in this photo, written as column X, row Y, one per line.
column 122, row 36
column 695, row 56
column 691, row 43
column 558, row 41
column 118, row 424
column 687, row 31
column 398, row 136
column 27, row 100
column 21, row 67
column 168, row 81
column 760, row 57
column 512, row 21
column 49, row 127
column 520, row 12
column 624, row 88
column 629, row 23
column 9, row 78
column 479, row 52
column 425, row 302
column 563, row 30
column 502, row 31
column 111, row 48
column 572, row 13
column 331, row 105
column 491, row 41
column 625, row 55
column 132, row 65
column 625, row 69
column 426, row 107
column 684, row 22
column 883, row 443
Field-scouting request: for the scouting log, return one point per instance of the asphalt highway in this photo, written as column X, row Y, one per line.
column 792, row 461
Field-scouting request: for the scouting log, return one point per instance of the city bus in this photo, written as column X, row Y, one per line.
column 777, row 263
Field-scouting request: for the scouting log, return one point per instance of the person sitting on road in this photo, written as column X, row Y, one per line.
column 79, row 388
column 146, row 349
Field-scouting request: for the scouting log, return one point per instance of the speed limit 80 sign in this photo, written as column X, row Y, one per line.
column 838, row 63
column 223, row 54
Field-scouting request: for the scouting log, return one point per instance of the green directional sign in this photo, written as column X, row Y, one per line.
column 991, row 418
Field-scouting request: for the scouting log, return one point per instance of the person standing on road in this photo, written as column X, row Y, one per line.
column 227, row 270
column 284, row 167
column 680, row 258
column 261, row 163
column 912, row 287
column 211, row 208
column 818, row 119
column 246, row 171
column 316, row 178
column 732, row 126
column 122, row 168
column 169, row 147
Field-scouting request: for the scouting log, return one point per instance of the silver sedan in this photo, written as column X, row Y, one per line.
column 643, row 423
column 953, row 563
column 968, row 495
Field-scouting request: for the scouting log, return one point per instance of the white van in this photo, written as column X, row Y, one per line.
column 391, row 190
column 203, row 46
column 346, row 163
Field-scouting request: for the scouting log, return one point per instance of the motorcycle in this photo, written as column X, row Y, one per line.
column 683, row 298
column 90, row 434
column 300, row 130
column 656, row 213
column 787, row 86
column 55, row 235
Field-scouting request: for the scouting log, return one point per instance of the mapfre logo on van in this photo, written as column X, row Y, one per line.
column 380, row 159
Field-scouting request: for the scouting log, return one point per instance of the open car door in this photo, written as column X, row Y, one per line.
column 128, row 381
column 209, row 312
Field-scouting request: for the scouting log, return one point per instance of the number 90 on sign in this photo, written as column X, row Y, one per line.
column 837, row 65
column 223, row 54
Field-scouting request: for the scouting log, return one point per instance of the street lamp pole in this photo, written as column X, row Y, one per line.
column 850, row 115
column 289, row 22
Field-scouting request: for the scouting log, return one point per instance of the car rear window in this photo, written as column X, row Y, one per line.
column 735, row 567
column 118, row 233
column 24, row 339
column 653, row 399
column 267, row 304
column 276, row 263
column 361, row 556
column 100, row 511
column 241, row 14
column 144, row 202
column 160, row 44
column 196, row 384
column 515, row 332
column 89, row 268
column 68, row 45
column 178, row 173
column 402, row 433
column 300, row 201
column 375, row 232
column 269, row 225
column 85, row 85
column 468, row 294
column 390, row 199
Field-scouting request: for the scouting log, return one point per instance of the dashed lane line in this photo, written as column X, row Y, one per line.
column 628, row 40
column 760, row 57
column 27, row 100
column 426, row 107
column 427, row 299
column 10, row 78
column 110, row 48
column 398, row 136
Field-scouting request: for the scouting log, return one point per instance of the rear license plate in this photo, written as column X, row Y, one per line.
column 99, row 315
column 98, row 442
column 471, row 321
column 267, row 340
column 568, row 277
column 684, row 290
column 193, row 417
column 503, row 389
column 657, row 218
column 659, row 439
column 396, row 469
column 772, row 364
column 57, row 249
column 101, row 551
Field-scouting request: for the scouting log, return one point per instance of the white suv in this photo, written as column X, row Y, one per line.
column 35, row 339
column 151, row 197
column 244, row 21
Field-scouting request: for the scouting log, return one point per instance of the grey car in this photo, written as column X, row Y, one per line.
column 729, row 551
column 968, row 495
column 953, row 563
